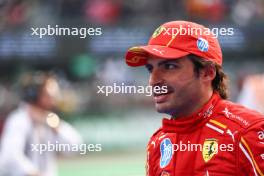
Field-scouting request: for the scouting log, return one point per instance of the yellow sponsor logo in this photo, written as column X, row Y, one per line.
column 210, row 148
column 158, row 31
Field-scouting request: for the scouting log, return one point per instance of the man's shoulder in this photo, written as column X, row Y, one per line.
column 157, row 134
column 237, row 115
column 18, row 118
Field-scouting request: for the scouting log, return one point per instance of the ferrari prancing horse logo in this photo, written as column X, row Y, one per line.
column 210, row 148
column 158, row 31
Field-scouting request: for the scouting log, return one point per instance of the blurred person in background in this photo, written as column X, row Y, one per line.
column 252, row 94
column 33, row 122
column 8, row 102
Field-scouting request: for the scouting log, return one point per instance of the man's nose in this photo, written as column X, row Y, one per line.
column 155, row 78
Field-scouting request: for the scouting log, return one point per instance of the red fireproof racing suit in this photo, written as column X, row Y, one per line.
column 221, row 139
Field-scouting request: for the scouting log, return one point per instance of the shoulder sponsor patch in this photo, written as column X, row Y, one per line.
column 166, row 152
column 230, row 115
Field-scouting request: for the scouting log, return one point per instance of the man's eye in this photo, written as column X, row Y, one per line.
column 170, row 66
column 149, row 68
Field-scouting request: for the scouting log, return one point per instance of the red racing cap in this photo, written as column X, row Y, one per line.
column 177, row 39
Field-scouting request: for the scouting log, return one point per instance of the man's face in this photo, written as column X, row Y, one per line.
column 183, row 85
column 49, row 94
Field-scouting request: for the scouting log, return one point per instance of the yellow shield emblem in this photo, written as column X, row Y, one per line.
column 210, row 148
column 158, row 31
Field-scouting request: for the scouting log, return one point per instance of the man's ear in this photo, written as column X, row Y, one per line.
column 208, row 73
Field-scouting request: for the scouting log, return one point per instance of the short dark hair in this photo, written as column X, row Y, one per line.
column 31, row 85
column 219, row 83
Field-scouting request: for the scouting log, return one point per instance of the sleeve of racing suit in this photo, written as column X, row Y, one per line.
column 152, row 156
column 251, row 150
column 148, row 162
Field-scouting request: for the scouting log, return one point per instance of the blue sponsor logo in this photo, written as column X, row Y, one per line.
column 202, row 45
column 166, row 152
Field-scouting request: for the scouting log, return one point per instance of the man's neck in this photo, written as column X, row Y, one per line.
column 193, row 107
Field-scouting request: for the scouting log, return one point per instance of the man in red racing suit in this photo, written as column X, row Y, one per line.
column 206, row 134
column 235, row 134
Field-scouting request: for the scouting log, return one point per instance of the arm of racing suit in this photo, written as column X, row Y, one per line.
column 152, row 155
column 251, row 150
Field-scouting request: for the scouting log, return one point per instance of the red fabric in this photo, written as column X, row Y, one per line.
column 176, row 39
column 239, row 129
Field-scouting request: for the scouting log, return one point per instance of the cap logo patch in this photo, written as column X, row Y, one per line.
column 135, row 59
column 202, row 44
column 166, row 152
column 158, row 31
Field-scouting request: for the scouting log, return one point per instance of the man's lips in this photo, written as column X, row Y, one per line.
column 160, row 98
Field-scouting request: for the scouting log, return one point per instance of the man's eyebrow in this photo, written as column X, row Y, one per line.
column 175, row 61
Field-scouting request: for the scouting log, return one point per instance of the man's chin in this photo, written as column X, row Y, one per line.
column 163, row 108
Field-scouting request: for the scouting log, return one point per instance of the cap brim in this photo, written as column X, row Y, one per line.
column 137, row 56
